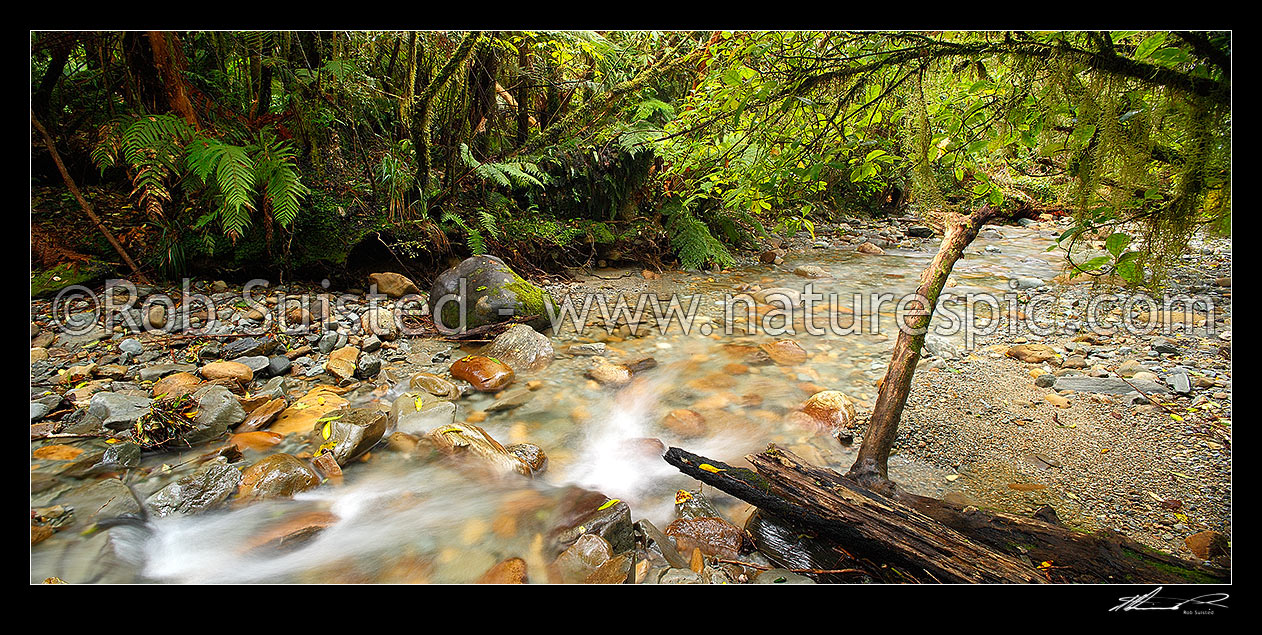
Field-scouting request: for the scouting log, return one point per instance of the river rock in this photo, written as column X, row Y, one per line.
column 106, row 498
column 262, row 416
column 342, row 363
column 248, row 347
column 784, row 352
column 470, row 441
column 493, row 292
column 434, row 385
column 278, row 365
column 590, row 560
column 417, row 413
column 277, row 476
column 131, row 346
column 811, row 271
column 870, row 249
column 920, row 231
column 607, row 373
column 713, row 536
column 485, row 373
column 1180, row 382
column 118, row 411
column 1207, row 545
column 585, row 512
column 395, row 285
column 781, row 576
column 1129, row 367
column 1032, row 353
column 228, row 370
column 522, row 348
column 380, row 322
column 354, row 433
column 258, row 364
column 587, row 350
column 510, row 571
column 782, row 297
column 685, row 423
column 172, row 387
column 531, row 455
column 158, row 371
column 832, row 408
column 217, row 410
column 1106, row 385
column 207, row 488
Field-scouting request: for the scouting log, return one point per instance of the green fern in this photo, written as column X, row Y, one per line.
column 517, row 172
column 693, row 243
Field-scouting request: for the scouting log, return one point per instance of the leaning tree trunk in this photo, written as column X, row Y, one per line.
column 83, row 202
column 421, row 114
column 870, row 466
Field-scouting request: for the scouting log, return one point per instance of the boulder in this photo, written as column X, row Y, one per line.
column 493, row 292
column 381, row 323
column 393, row 284
column 352, row 434
column 118, row 411
column 832, row 408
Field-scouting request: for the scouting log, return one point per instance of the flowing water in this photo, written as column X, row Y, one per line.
column 393, row 519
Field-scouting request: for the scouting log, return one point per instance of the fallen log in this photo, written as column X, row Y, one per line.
column 926, row 539
column 865, row 523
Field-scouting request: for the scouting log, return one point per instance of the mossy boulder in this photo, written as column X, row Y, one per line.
column 491, row 292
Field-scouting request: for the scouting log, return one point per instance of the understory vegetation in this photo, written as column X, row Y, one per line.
column 314, row 153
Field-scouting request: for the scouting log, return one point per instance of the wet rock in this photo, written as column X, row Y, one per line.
column 511, row 571
column 38, row 354
column 1045, row 381
column 784, row 352
column 942, row 347
column 121, row 455
column 681, row 576
column 584, row 513
column 831, row 408
column 381, row 323
column 510, row 399
column 228, row 370
column 470, row 441
column 369, row 366
column 493, row 293
column 327, row 342
column 811, row 271
column 277, row 476
column 590, row 560
column 217, row 410
column 713, row 536
column 531, row 455
column 522, row 348
column 771, row 256
column 207, row 488
column 869, row 248
column 117, row 411
column 1029, row 283
column 434, row 385
column 782, row 297
column 257, row 364
column 409, row 417
column 172, row 387
column 485, row 373
column 1032, row 353
column 353, row 434
column 1164, row 346
column 689, row 505
column 1129, row 367
column 106, row 498
column 342, row 363
column 278, row 365
column 262, row 416
column 607, row 373
column 587, row 350
column 395, row 285
column 39, row 410
column 684, row 423
column 919, row 231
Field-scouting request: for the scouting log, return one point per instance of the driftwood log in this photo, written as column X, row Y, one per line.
column 928, row 540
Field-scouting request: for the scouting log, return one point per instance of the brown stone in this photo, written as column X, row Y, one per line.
column 393, row 284
column 173, row 387
column 511, row 571
column 785, row 352
column 487, row 374
column 1032, row 353
column 685, row 423
column 227, row 370
column 831, row 407
column 713, row 536
column 342, row 363
column 262, row 416
column 869, row 248
column 277, row 476
column 1207, row 545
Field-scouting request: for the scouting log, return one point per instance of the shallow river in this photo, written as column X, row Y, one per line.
column 395, row 520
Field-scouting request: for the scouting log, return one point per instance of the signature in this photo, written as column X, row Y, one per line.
column 1151, row 602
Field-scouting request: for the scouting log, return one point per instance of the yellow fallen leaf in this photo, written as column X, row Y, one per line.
column 710, row 468
column 611, row 503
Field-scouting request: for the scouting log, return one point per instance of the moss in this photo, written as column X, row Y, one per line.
column 49, row 282
column 530, row 296
column 1149, row 557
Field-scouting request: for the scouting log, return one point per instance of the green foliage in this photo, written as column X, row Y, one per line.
column 516, row 172
column 696, row 247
